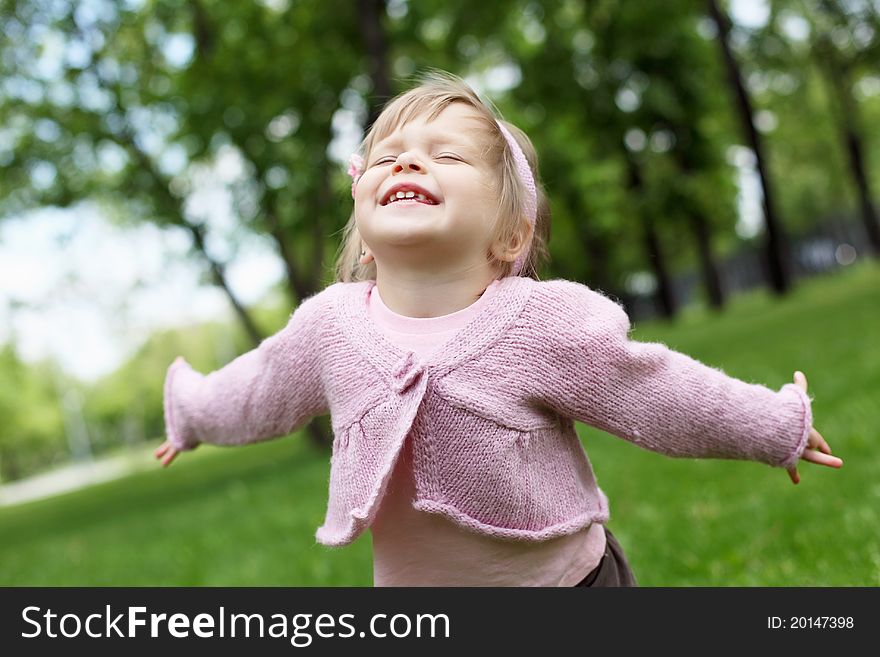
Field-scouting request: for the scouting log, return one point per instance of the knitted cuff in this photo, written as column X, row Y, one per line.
column 807, row 425
column 173, row 426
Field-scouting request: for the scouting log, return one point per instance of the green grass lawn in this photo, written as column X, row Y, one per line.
column 247, row 516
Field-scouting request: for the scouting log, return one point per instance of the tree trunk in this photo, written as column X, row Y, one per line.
column 708, row 266
column 776, row 253
column 857, row 164
column 653, row 247
column 590, row 241
column 839, row 78
column 219, row 276
column 376, row 45
column 702, row 233
column 202, row 29
column 597, row 252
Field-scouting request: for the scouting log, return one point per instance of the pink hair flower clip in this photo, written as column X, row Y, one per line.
column 355, row 170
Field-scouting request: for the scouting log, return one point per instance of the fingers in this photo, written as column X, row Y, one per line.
column 821, row 459
column 793, row 475
column 816, row 441
column 169, row 457
column 800, row 380
column 819, row 451
column 166, row 453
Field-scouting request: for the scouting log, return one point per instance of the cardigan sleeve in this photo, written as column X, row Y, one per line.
column 663, row 400
column 265, row 393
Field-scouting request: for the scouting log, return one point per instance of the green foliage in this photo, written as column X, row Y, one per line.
column 155, row 90
column 135, row 389
column 789, row 82
column 33, row 429
column 121, row 409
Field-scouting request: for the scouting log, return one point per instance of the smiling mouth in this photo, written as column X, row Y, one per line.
column 408, row 197
column 409, row 202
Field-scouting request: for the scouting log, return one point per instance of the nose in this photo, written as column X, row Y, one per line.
column 406, row 161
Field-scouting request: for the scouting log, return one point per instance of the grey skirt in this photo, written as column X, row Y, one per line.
column 613, row 570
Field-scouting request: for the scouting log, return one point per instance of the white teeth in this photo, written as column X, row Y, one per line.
column 408, row 195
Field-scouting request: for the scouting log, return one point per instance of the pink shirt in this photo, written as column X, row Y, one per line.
column 414, row 548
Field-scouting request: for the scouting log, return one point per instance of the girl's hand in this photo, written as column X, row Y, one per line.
column 167, row 450
column 815, row 442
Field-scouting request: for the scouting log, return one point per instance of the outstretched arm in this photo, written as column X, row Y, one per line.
column 663, row 400
column 265, row 393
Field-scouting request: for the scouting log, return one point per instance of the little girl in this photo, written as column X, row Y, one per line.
column 453, row 376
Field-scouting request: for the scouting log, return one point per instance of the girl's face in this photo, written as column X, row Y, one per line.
column 449, row 229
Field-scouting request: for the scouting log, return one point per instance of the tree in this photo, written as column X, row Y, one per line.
column 839, row 60
column 33, row 432
column 139, row 99
column 777, row 252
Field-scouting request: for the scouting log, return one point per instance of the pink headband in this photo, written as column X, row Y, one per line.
column 525, row 175
column 356, row 170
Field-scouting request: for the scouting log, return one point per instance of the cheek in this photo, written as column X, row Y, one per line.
column 367, row 187
column 362, row 197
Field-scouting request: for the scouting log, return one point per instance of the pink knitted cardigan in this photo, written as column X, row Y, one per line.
column 490, row 415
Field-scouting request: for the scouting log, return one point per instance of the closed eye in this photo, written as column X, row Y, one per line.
column 443, row 156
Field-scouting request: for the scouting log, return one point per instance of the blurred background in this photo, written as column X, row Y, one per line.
column 172, row 182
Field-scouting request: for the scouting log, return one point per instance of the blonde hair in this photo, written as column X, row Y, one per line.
column 435, row 91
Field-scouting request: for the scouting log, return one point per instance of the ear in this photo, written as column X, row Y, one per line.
column 367, row 258
column 510, row 252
